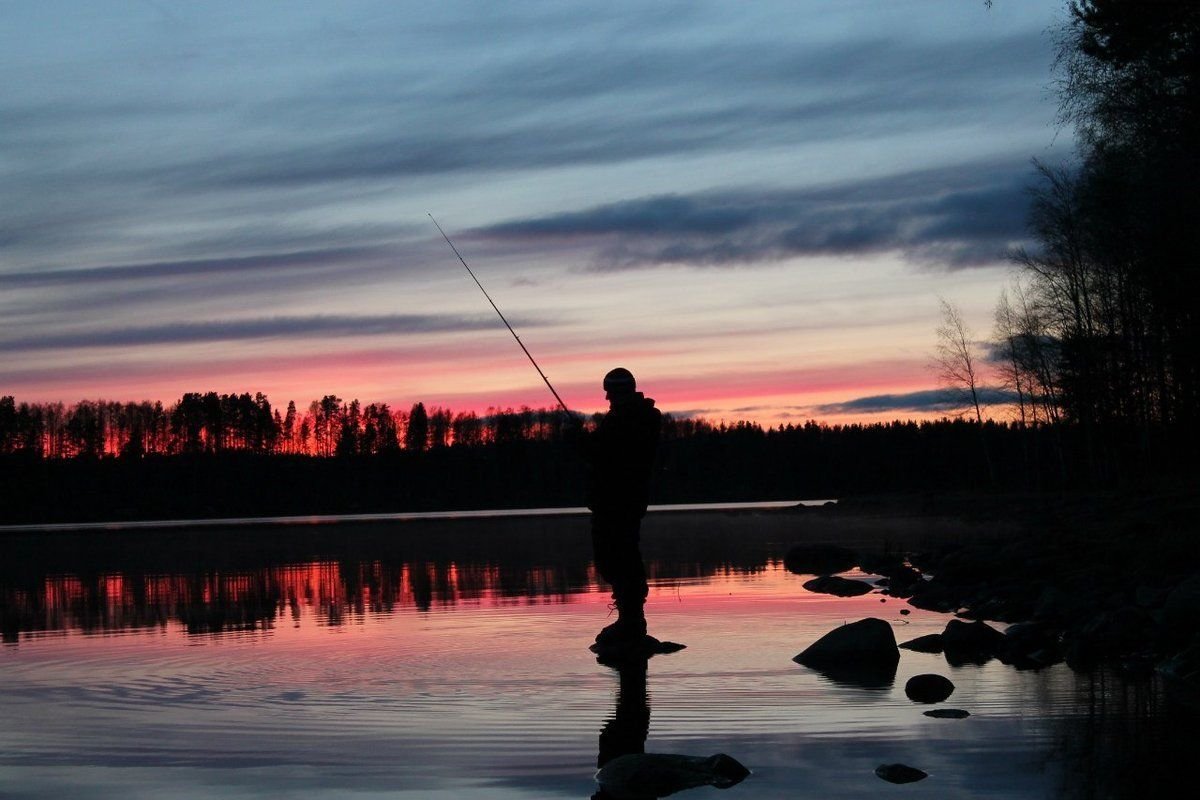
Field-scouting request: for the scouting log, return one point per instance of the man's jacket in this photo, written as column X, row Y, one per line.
column 621, row 456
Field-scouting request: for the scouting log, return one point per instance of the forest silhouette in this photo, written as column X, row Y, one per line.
column 213, row 455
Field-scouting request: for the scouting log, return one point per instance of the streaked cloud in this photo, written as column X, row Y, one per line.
column 958, row 216
column 946, row 400
column 321, row 326
column 270, row 262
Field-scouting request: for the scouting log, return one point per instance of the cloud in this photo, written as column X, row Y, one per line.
column 960, row 216
column 307, row 327
column 269, row 262
column 597, row 102
column 947, row 400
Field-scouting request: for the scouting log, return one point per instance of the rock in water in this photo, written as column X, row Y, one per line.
column 948, row 713
column 868, row 641
column 840, row 587
column 1032, row 645
column 633, row 649
column 931, row 643
column 928, row 688
column 650, row 775
column 971, row 642
column 861, row 654
column 819, row 559
column 900, row 773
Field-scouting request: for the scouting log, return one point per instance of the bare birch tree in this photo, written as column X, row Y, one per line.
column 956, row 361
column 959, row 370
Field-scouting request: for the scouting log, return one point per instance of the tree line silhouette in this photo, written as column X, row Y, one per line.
column 212, row 455
column 211, row 423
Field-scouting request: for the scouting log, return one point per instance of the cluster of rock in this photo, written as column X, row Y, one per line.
column 1081, row 606
column 1083, row 601
column 865, row 653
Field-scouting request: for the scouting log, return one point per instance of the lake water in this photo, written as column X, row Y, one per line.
column 448, row 659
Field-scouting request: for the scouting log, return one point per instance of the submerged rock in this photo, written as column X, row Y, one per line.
column 642, row 776
column 633, row 650
column 900, row 773
column 947, row 713
column 928, row 688
column 840, row 587
column 819, row 559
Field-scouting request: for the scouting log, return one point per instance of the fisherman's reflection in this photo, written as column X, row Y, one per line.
column 625, row 732
column 644, row 776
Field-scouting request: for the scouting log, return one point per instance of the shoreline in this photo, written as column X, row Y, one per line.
column 300, row 520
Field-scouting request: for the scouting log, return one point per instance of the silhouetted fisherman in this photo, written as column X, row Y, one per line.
column 621, row 456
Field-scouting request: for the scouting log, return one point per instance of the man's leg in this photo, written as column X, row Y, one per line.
column 619, row 561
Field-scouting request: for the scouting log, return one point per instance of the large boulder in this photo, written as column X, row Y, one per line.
column 971, row 642
column 840, row 587
column 820, row 559
column 860, row 653
column 868, row 641
column 635, row 776
column 1032, row 645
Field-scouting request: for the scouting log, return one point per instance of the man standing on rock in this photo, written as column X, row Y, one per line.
column 621, row 455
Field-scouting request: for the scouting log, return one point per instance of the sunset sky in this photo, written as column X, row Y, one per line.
column 753, row 206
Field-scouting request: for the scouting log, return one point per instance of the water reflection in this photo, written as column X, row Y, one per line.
column 210, row 601
column 353, row 665
column 1129, row 737
column 217, row 581
column 626, row 730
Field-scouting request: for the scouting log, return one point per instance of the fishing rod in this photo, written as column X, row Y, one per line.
column 502, row 319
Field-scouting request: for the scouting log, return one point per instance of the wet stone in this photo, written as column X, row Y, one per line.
column 633, row 650
column 867, row 640
column 947, row 713
column 931, row 643
column 928, row 688
column 900, row 773
column 839, row 587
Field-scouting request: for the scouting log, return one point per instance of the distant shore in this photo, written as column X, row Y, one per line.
column 401, row 516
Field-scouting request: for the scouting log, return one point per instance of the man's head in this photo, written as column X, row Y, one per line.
column 619, row 385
